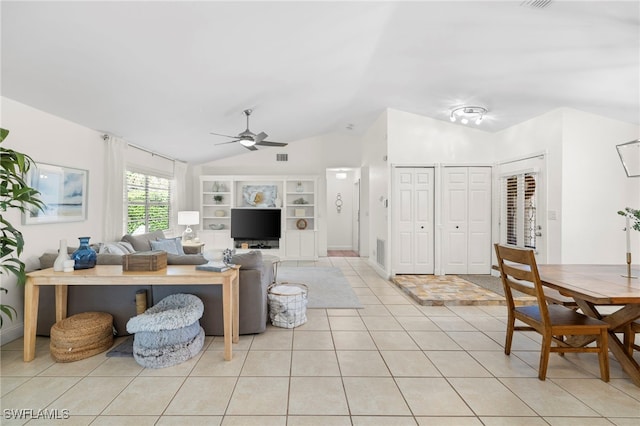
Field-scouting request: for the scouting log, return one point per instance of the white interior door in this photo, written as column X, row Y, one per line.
column 413, row 242
column 467, row 220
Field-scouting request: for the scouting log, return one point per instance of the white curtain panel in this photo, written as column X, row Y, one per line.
column 114, row 172
column 179, row 196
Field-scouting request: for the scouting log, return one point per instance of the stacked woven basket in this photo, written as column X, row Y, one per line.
column 169, row 332
column 81, row 336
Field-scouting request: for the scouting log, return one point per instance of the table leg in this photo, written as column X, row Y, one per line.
column 61, row 302
column 227, row 312
column 31, row 298
column 236, row 307
column 616, row 321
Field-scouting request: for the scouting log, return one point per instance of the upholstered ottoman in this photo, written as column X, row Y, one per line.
column 81, row 336
column 168, row 333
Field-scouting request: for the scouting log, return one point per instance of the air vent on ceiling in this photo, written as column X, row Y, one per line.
column 539, row 4
column 282, row 157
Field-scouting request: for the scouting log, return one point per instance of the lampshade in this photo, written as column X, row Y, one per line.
column 188, row 218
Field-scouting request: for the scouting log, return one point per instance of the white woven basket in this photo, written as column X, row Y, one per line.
column 287, row 304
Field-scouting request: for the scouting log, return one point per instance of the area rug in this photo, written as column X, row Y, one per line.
column 452, row 290
column 328, row 288
column 124, row 349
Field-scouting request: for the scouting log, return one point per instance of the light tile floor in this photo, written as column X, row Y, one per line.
column 394, row 362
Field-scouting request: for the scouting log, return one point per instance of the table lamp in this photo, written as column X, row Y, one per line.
column 188, row 218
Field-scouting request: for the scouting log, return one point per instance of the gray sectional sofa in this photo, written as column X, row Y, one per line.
column 256, row 274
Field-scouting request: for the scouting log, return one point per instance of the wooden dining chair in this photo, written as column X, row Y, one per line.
column 630, row 332
column 519, row 271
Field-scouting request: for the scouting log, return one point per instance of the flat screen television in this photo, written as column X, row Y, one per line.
column 255, row 224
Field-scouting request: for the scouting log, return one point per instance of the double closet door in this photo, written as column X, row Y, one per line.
column 467, row 220
column 413, row 239
column 463, row 245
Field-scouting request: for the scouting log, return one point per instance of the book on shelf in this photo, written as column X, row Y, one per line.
column 214, row 266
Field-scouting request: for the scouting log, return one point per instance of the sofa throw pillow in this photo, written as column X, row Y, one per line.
column 177, row 241
column 165, row 245
column 120, row 247
column 142, row 242
column 250, row 260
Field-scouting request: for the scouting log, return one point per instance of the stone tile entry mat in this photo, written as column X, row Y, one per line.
column 451, row 290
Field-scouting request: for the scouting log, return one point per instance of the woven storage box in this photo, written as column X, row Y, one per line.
column 145, row 261
column 81, row 336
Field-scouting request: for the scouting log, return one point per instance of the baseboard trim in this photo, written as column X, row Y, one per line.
column 340, row 248
column 378, row 269
column 9, row 334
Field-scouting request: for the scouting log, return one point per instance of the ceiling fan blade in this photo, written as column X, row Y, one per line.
column 260, row 137
column 224, row 143
column 251, row 148
column 220, row 134
column 268, row 143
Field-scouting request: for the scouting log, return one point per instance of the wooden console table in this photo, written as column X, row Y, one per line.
column 114, row 275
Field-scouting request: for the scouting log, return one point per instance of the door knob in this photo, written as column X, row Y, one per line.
column 457, row 227
column 422, row 227
column 538, row 234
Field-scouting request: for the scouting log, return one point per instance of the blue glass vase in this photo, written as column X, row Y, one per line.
column 85, row 257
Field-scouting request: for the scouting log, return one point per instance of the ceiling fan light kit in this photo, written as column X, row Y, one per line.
column 466, row 113
column 248, row 139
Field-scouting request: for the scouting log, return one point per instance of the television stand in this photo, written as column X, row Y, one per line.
column 260, row 246
column 257, row 244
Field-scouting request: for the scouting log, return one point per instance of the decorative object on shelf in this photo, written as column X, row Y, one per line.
column 630, row 156
column 300, row 201
column 222, row 187
column 468, row 113
column 188, row 218
column 299, row 213
column 63, row 191
column 299, row 187
column 58, row 264
column 220, row 213
column 301, row 224
column 85, row 257
column 339, row 202
column 278, row 202
column 259, row 195
column 216, row 226
column 215, row 187
column 630, row 214
column 218, row 199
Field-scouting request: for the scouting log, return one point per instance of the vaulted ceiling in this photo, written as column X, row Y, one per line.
column 165, row 74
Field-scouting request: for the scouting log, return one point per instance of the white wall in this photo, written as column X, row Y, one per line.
column 340, row 224
column 376, row 187
column 594, row 188
column 418, row 140
column 52, row 140
column 541, row 134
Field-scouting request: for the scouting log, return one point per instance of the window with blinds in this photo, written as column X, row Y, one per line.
column 519, row 210
column 148, row 203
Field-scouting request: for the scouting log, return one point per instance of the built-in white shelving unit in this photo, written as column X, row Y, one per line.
column 296, row 196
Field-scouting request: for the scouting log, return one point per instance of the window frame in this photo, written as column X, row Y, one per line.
column 148, row 202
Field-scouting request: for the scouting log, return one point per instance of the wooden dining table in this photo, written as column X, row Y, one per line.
column 594, row 287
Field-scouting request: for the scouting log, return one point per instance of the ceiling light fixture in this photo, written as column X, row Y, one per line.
column 467, row 113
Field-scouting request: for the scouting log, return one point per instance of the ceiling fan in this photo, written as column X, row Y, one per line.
column 248, row 139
